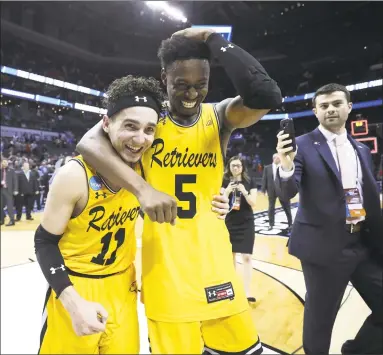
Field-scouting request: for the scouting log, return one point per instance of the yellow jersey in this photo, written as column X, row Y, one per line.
column 101, row 239
column 187, row 269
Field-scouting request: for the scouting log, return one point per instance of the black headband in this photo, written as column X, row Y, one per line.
column 141, row 99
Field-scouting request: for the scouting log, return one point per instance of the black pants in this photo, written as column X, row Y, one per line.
column 325, row 288
column 286, row 207
column 7, row 200
column 37, row 198
column 27, row 201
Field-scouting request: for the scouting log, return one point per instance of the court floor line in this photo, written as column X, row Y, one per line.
column 20, row 264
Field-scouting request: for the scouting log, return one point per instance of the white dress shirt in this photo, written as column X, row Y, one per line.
column 351, row 171
column 275, row 168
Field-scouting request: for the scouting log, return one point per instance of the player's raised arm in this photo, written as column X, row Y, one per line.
column 68, row 188
column 258, row 93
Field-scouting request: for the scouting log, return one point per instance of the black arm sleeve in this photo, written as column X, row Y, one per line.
column 50, row 260
column 250, row 79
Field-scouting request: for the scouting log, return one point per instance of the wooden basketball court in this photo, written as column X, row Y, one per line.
column 277, row 284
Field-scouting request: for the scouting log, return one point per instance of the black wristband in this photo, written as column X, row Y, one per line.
column 51, row 260
column 249, row 77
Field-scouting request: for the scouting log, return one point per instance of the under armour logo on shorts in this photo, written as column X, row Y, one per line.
column 53, row 269
column 212, row 294
column 224, row 49
column 137, row 98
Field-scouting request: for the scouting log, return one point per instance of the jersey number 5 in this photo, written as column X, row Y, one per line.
column 186, row 196
column 100, row 258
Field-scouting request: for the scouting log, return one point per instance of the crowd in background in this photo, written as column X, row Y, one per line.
column 255, row 145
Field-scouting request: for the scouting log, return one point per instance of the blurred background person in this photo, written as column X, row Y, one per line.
column 9, row 188
column 241, row 190
column 28, row 188
column 269, row 187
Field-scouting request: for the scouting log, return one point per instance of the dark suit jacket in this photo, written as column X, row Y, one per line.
column 11, row 180
column 268, row 184
column 28, row 187
column 317, row 235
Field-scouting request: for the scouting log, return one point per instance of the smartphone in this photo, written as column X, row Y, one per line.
column 287, row 126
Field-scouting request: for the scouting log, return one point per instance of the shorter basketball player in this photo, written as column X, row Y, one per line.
column 85, row 244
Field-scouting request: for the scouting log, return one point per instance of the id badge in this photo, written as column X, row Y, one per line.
column 354, row 206
column 237, row 203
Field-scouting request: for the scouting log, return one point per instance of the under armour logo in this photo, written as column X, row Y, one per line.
column 104, row 195
column 224, row 49
column 213, row 293
column 137, row 98
column 53, row 269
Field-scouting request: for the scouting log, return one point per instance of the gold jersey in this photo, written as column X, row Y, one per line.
column 101, row 240
column 187, row 269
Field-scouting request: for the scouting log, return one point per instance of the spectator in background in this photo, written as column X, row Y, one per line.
column 241, row 190
column 9, row 188
column 269, row 187
column 28, row 188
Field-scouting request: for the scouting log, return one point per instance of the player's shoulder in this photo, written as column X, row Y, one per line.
column 70, row 176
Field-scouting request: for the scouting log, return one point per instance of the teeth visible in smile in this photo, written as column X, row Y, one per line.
column 133, row 149
column 189, row 104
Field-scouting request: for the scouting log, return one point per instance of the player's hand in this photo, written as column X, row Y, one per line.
column 286, row 155
column 220, row 206
column 195, row 33
column 230, row 188
column 159, row 207
column 87, row 317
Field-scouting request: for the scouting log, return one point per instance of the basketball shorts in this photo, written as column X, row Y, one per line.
column 230, row 335
column 118, row 295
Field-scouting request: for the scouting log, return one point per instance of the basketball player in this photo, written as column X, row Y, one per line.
column 85, row 244
column 193, row 297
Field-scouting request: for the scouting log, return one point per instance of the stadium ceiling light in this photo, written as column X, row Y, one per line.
column 170, row 11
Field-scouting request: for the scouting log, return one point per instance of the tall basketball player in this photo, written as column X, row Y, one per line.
column 85, row 244
column 193, row 298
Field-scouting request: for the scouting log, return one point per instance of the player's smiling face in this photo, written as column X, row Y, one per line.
column 187, row 83
column 131, row 131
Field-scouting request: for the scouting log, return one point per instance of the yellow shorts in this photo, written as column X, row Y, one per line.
column 234, row 334
column 118, row 295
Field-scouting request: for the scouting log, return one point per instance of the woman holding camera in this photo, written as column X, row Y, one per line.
column 241, row 190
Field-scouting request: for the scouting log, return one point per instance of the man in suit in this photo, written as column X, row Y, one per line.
column 9, row 188
column 268, row 185
column 29, row 187
column 337, row 238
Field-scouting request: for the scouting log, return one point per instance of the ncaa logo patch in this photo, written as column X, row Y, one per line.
column 95, row 183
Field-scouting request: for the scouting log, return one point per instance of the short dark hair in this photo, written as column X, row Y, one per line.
column 329, row 89
column 131, row 85
column 181, row 48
